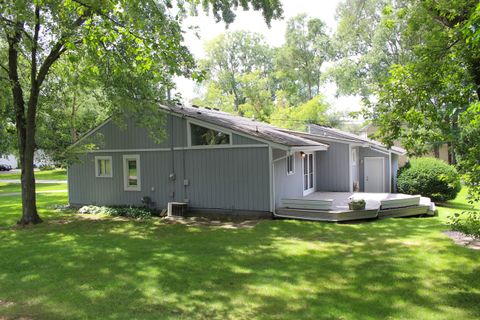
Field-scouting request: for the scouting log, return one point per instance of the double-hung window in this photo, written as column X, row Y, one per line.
column 103, row 167
column 131, row 173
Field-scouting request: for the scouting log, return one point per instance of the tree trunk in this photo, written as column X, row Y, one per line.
column 30, row 214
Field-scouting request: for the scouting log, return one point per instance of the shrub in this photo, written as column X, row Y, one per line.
column 429, row 177
column 129, row 212
column 467, row 222
column 46, row 167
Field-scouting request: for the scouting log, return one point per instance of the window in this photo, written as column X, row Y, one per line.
column 201, row 136
column 131, row 172
column 103, row 167
column 354, row 157
column 290, row 164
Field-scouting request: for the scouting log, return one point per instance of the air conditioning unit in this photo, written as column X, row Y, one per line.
column 176, row 209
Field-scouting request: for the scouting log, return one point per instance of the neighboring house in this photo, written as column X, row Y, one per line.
column 9, row 159
column 39, row 159
column 369, row 131
column 441, row 152
column 213, row 160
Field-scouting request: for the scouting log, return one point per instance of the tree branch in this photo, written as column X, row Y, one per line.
column 57, row 50
column 33, row 69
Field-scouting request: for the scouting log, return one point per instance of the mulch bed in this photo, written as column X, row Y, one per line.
column 463, row 240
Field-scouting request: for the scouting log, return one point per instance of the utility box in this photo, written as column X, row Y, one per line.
column 176, row 209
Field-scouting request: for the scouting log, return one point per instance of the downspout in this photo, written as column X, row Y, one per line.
column 272, row 174
column 184, row 151
column 172, row 174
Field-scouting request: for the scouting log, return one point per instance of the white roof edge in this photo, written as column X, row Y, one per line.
column 308, row 148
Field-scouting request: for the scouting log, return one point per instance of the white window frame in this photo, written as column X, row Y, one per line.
column 97, row 174
column 213, row 127
column 312, row 189
column 126, row 187
column 289, row 173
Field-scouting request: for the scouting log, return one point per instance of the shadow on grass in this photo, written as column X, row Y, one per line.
column 395, row 268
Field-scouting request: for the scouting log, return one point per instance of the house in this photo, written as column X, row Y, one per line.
column 439, row 151
column 40, row 158
column 218, row 162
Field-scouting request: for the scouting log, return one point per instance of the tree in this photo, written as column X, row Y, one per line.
column 298, row 63
column 413, row 66
column 133, row 47
column 316, row 110
column 258, row 102
column 231, row 55
column 214, row 97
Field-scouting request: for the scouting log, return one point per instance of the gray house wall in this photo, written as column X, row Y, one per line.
column 367, row 152
column 287, row 186
column 331, row 168
column 356, row 166
column 227, row 178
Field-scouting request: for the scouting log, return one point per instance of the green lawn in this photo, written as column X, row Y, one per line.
column 15, row 187
column 58, row 174
column 74, row 268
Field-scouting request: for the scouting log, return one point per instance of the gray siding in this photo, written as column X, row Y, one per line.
column 367, row 152
column 110, row 136
column 332, row 172
column 355, row 167
column 238, row 139
column 226, row 178
column 287, row 186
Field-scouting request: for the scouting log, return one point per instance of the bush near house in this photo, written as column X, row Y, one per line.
column 128, row 212
column 429, row 177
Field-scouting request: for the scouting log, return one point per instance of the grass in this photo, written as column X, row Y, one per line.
column 58, row 174
column 15, row 187
column 77, row 268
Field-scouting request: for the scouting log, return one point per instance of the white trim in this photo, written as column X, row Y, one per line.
column 89, row 133
column 308, row 148
column 383, row 172
column 96, row 166
column 310, row 190
column 350, row 166
column 289, row 173
column 126, row 187
column 220, row 146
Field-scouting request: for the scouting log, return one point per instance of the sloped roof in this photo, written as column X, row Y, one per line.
column 247, row 126
column 336, row 134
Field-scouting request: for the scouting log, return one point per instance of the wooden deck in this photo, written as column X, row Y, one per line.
column 378, row 205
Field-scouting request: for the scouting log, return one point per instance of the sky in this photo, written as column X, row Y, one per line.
column 253, row 21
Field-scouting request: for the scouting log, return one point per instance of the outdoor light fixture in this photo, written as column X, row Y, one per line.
column 302, row 154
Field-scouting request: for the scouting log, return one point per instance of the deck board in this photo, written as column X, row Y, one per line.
column 340, row 212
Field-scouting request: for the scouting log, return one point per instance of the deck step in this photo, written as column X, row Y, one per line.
column 403, row 212
column 400, row 203
column 314, row 204
column 318, row 215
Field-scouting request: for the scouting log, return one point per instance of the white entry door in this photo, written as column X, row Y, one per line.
column 374, row 170
column 308, row 173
